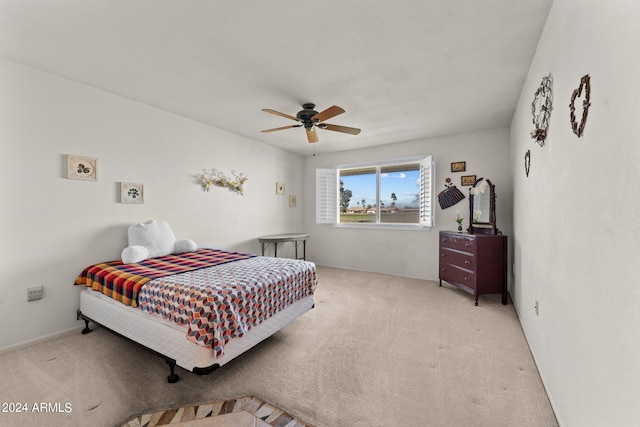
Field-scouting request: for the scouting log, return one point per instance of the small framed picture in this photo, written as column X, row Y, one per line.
column 458, row 166
column 131, row 192
column 468, row 180
column 81, row 167
column 280, row 188
column 293, row 201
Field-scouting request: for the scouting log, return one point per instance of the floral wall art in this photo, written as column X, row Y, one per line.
column 131, row 192
column 82, row 167
column 210, row 178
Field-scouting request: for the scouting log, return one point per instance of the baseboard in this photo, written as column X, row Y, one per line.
column 29, row 343
column 554, row 407
column 407, row 276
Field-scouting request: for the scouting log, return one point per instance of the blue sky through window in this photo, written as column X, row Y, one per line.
column 405, row 185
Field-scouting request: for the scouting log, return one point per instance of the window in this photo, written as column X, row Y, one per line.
column 396, row 193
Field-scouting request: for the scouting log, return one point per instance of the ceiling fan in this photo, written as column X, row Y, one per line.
column 310, row 119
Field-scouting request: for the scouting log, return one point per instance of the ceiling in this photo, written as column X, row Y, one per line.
column 401, row 70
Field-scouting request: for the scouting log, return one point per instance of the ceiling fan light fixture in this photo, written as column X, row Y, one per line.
column 311, row 119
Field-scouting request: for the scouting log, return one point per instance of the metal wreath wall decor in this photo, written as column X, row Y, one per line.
column 541, row 110
column 585, row 83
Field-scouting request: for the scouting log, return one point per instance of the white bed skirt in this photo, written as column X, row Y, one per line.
column 169, row 339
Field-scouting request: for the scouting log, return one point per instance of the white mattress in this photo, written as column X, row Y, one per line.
column 168, row 338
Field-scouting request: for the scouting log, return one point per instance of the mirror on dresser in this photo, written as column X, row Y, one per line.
column 476, row 261
column 482, row 208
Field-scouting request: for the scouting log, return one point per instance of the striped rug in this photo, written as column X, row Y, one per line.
column 247, row 410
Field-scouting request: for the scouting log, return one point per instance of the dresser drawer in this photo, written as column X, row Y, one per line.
column 458, row 242
column 457, row 275
column 462, row 259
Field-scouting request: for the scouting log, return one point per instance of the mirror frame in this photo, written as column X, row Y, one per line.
column 484, row 227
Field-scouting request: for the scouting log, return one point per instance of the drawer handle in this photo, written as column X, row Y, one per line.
column 466, row 278
column 467, row 244
column 443, row 269
column 467, row 262
column 443, row 255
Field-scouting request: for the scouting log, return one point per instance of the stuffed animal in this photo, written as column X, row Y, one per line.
column 153, row 239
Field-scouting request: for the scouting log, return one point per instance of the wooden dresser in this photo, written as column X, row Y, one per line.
column 475, row 263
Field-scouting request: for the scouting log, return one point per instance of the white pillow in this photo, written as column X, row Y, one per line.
column 184, row 245
column 156, row 236
column 153, row 239
column 134, row 254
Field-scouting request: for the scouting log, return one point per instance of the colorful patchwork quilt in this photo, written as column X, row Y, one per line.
column 122, row 282
column 223, row 302
column 217, row 295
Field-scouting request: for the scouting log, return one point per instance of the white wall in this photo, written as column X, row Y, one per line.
column 401, row 252
column 576, row 216
column 53, row 227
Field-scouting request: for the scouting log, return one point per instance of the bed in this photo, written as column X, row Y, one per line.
column 197, row 310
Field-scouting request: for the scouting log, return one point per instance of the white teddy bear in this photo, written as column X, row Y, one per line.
column 153, row 239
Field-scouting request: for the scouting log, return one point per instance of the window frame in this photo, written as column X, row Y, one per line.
column 328, row 186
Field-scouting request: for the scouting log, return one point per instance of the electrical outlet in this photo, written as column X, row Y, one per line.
column 34, row 293
column 537, row 308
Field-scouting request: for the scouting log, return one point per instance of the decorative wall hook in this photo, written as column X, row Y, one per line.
column 214, row 178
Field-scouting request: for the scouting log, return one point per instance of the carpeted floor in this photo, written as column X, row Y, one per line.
column 376, row 350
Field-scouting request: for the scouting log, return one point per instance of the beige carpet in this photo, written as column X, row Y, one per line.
column 376, row 350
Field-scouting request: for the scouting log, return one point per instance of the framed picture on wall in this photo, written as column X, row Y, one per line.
column 82, row 167
column 458, row 166
column 468, row 180
column 131, row 192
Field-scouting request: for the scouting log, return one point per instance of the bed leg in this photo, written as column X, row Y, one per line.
column 173, row 378
column 86, row 329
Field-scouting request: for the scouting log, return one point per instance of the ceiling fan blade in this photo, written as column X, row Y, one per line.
column 312, row 135
column 328, row 113
column 282, row 128
column 278, row 113
column 338, row 128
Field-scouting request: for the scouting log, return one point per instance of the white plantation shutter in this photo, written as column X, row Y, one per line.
column 326, row 196
column 427, row 172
